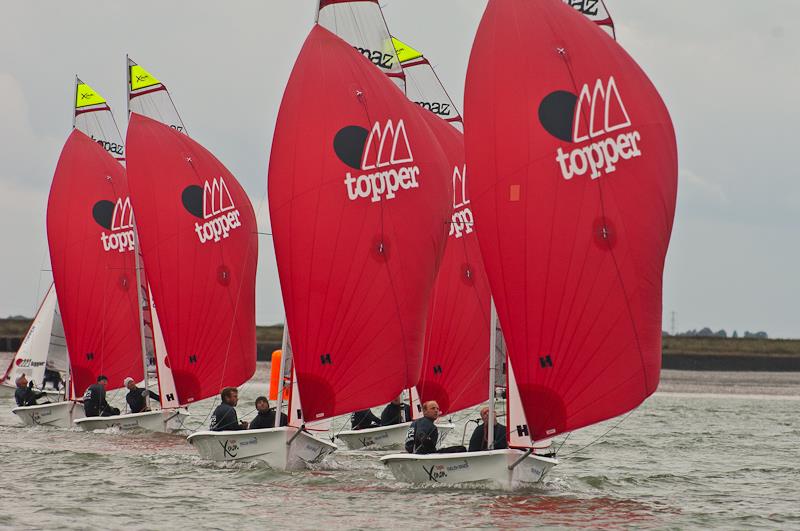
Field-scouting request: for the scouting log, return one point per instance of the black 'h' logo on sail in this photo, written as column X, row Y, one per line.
column 522, row 431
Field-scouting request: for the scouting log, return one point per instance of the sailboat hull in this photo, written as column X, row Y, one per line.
column 385, row 437
column 493, row 467
column 164, row 421
column 281, row 448
column 55, row 414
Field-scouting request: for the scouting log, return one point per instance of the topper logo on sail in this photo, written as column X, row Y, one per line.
column 116, row 217
column 593, row 116
column 462, row 220
column 384, row 152
column 213, row 204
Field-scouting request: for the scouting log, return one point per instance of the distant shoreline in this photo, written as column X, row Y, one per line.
column 679, row 353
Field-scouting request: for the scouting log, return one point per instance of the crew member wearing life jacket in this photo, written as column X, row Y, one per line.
column 423, row 434
column 266, row 415
column 361, row 420
column 94, row 400
column 396, row 412
column 136, row 397
column 53, row 378
column 24, row 394
column 479, row 440
column 224, row 417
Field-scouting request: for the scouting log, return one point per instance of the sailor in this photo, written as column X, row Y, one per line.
column 94, row 400
column 396, row 412
column 364, row 419
column 136, row 397
column 266, row 415
column 423, row 434
column 224, row 417
column 479, row 439
column 52, row 377
column 25, row 395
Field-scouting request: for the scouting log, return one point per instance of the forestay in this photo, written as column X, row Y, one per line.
column 198, row 238
column 573, row 179
column 358, row 208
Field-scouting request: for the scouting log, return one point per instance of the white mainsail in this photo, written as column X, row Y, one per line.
column 361, row 24
column 424, row 87
column 34, row 353
column 149, row 97
column 92, row 116
column 597, row 12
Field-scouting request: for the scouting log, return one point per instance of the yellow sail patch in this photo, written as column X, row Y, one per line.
column 86, row 96
column 404, row 51
column 141, row 78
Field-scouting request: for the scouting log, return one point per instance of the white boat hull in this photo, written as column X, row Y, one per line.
column 165, row 421
column 278, row 447
column 385, row 437
column 55, row 414
column 489, row 467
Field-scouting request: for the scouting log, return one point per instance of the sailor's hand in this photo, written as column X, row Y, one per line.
column 244, row 424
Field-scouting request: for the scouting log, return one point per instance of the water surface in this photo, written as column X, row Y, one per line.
column 688, row 460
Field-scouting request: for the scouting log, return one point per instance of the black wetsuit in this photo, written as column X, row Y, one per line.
column 136, row 399
column 26, row 396
column 94, row 402
column 53, row 377
column 266, row 419
column 224, row 418
column 364, row 419
column 395, row 414
column 422, row 436
column 477, row 442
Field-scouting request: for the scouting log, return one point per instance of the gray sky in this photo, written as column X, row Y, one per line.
column 729, row 72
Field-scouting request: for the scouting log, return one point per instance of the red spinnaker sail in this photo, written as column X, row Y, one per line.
column 455, row 369
column 90, row 235
column 358, row 202
column 573, row 178
column 199, row 241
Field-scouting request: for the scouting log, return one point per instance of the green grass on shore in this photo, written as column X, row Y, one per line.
column 672, row 345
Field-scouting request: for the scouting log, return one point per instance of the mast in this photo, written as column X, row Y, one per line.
column 284, row 350
column 74, row 100
column 138, row 263
column 492, row 383
column 140, row 302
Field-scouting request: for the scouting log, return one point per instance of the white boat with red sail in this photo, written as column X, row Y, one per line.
column 573, row 244
column 358, row 340
column 457, row 328
column 96, row 142
column 199, row 244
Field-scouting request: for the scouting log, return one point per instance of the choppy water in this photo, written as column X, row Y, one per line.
column 682, row 461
